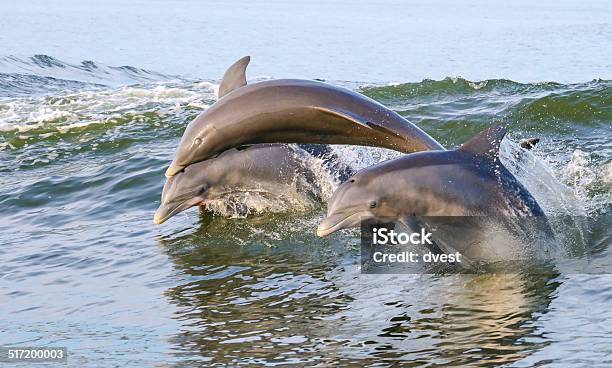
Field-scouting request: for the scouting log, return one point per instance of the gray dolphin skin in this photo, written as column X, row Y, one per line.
column 266, row 169
column 468, row 181
column 292, row 111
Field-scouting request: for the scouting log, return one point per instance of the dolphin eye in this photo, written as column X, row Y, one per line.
column 373, row 204
column 352, row 180
column 197, row 141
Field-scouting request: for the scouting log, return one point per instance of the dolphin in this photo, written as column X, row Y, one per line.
column 292, row 111
column 428, row 189
column 270, row 170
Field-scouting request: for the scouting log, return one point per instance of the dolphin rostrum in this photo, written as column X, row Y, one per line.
column 292, row 111
column 269, row 170
column 418, row 188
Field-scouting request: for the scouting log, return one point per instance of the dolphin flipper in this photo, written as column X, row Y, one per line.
column 344, row 115
column 234, row 77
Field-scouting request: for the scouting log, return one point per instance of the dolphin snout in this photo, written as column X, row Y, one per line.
column 162, row 214
column 174, row 169
column 339, row 221
column 165, row 211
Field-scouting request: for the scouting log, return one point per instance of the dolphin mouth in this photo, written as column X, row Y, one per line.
column 174, row 169
column 333, row 223
column 165, row 211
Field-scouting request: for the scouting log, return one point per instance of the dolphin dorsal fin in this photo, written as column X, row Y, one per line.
column 234, row 77
column 485, row 143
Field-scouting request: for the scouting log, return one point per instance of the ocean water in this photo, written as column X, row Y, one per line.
column 93, row 101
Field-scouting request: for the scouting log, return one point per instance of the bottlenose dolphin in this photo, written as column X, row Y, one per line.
column 419, row 188
column 270, row 170
column 292, row 111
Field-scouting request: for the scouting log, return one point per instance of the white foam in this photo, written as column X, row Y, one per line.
column 538, row 176
column 77, row 110
column 578, row 174
column 607, row 173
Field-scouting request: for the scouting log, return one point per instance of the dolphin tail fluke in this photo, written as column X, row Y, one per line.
column 529, row 143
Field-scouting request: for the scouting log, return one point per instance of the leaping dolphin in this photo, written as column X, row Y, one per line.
column 417, row 188
column 270, row 170
column 292, row 111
